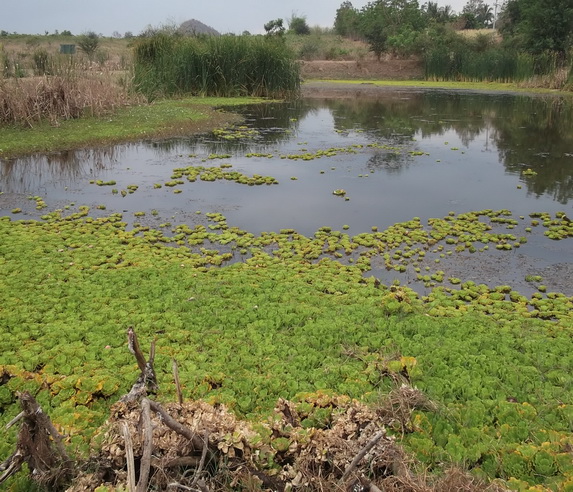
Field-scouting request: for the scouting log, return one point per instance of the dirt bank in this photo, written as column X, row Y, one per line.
column 385, row 69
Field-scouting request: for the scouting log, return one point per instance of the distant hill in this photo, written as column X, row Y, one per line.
column 193, row 27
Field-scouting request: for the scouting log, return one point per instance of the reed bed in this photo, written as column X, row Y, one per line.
column 166, row 65
column 495, row 64
column 34, row 100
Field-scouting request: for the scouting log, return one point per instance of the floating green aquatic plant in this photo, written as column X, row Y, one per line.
column 241, row 132
column 315, row 323
column 215, row 173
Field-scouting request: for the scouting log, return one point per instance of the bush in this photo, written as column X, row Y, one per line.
column 88, row 43
column 299, row 26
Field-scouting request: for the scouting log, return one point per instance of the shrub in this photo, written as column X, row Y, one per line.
column 41, row 62
column 88, row 43
column 299, row 26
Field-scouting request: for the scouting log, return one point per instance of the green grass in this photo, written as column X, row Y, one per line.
column 278, row 325
column 431, row 84
column 161, row 118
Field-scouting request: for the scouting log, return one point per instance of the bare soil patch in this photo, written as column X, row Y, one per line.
column 385, row 69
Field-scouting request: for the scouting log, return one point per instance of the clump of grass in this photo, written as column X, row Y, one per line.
column 217, row 66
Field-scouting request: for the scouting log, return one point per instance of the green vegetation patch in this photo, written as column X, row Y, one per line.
column 215, row 173
column 448, row 84
column 288, row 320
column 215, row 66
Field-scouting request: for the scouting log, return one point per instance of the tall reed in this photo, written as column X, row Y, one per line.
column 215, row 65
column 494, row 64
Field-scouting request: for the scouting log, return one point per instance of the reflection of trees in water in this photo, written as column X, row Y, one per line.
column 26, row 174
column 543, row 142
column 529, row 132
column 388, row 117
column 391, row 162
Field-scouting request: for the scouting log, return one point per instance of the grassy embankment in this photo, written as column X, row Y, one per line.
column 164, row 118
column 457, row 85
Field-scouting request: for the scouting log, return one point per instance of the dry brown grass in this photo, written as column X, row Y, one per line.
column 474, row 33
column 34, row 100
column 555, row 80
column 112, row 54
column 39, row 84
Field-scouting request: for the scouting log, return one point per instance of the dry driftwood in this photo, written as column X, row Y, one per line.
column 147, row 380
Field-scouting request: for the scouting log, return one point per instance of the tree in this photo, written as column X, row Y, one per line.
column 538, row 26
column 347, row 20
column 394, row 24
column 477, row 15
column 298, row 25
column 274, row 28
column 441, row 15
column 373, row 25
column 88, row 43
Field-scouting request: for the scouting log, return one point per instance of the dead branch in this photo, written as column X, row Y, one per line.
column 369, row 445
column 177, row 383
column 15, row 419
column 170, row 422
column 134, row 348
column 147, row 447
column 203, row 456
column 188, row 461
column 129, row 457
column 147, row 380
column 11, row 466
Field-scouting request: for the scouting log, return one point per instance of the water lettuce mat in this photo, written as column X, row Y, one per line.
column 286, row 316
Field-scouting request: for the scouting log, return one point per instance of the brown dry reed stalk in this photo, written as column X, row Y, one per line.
column 31, row 101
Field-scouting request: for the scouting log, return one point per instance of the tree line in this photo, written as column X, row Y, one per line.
column 406, row 27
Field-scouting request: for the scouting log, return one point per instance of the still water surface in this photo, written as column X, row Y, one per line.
column 401, row 154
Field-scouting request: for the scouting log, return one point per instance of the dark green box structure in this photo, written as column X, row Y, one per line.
column 68, row 49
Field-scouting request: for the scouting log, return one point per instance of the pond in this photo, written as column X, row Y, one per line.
column 391, row 156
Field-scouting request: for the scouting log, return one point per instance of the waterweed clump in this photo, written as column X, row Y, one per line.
column 216, row 173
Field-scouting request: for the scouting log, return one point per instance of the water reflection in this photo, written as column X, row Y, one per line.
column 527, row 132
column 62, row 169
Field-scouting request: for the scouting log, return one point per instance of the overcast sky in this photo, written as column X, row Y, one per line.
column 109, row 16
